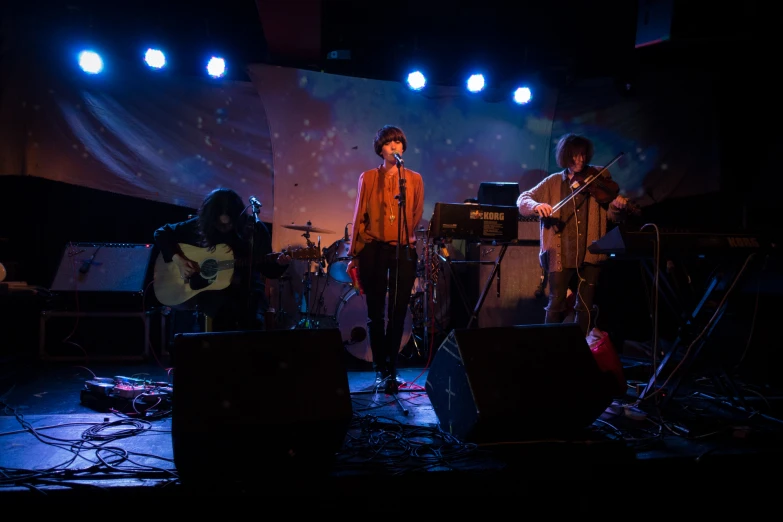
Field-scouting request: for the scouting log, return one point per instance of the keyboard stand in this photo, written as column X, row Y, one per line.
column 676, row 365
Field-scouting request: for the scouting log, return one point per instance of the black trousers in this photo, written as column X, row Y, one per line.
column 585, row 295
column 378, row 273
column 231, row 309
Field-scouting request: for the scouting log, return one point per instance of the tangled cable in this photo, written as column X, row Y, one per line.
column 96, row 432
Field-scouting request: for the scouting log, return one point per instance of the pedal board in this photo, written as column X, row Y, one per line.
column 123, row 393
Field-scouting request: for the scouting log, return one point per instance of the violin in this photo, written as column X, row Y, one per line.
column 591, row 180
column 602, row 189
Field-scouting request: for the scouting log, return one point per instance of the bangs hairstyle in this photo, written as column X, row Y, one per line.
column 569, row 145
column 389, row 133
column 218, row 202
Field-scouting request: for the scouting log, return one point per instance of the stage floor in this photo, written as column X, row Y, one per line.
column 56, row 445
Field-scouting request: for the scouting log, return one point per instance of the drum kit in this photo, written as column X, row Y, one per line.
column 322, row 295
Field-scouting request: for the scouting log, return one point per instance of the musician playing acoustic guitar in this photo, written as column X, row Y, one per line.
column 223, row 227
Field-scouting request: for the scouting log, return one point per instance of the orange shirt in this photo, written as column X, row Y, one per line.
column 376, row 216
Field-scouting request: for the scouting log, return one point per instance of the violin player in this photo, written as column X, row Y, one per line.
column 566, row 233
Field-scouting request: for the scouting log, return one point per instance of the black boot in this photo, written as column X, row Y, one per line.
column 392, row 383
column 381, row 373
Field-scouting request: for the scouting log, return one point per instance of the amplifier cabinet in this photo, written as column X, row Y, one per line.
column 94, row 336
column 103, row 267
column 516, row 296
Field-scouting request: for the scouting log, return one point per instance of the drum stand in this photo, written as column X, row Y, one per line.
column 427, row 271
column 306, row 321
column 280, row 314
column 424, row 271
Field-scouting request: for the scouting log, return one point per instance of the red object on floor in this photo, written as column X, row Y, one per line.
column 606, row 357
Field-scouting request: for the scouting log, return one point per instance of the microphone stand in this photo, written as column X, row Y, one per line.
column 403, row 217
column 256, row 221
column 392, row 307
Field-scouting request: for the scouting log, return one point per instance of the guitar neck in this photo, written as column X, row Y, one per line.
column 227, row 264
column 244, row 262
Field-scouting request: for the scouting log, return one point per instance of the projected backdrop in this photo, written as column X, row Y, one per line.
column 322, row 130
column 169, row 139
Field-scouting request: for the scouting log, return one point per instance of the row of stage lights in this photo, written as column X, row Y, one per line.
column 92, row 63
column 475, row 84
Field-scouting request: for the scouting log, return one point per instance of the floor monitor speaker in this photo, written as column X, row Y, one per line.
column 255, row 406
column 517, row 383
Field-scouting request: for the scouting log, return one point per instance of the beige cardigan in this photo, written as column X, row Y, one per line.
column 548, row 191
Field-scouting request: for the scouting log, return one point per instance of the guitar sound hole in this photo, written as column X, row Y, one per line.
column 209, row 269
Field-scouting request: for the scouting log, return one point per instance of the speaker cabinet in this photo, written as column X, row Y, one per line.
column 516, row 383
column 255, row 406
column 517, row 295
column 653, row 22
column 102, row 267
column 97, row 276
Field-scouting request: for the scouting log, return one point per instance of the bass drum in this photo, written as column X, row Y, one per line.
column 352, row 321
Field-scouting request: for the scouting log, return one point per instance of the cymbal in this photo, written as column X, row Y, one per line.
column 309, row 228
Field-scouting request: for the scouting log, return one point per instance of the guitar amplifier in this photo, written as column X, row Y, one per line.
column 104, row 272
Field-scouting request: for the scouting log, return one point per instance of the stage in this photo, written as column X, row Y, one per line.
column 59, row 445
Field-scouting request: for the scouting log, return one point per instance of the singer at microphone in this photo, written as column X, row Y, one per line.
column 389, row 207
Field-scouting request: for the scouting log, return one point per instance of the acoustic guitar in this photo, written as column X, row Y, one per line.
column 216, row 269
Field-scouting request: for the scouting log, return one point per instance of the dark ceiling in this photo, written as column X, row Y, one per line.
column 573, row 37
column 506, row 38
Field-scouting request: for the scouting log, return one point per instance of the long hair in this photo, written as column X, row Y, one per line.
column 218, row 202
column 386, row 134
column 569, row 145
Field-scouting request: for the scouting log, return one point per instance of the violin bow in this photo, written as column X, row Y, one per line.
column 586, row 183
column 606, row 167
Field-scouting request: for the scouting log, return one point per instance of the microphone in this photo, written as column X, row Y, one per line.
column 346, row 238
column 86, row 264
column 254, row 201
column 398, row 158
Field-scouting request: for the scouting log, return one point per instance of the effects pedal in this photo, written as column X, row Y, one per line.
column 107, row 393
column 100, row 386
column 128, row 391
